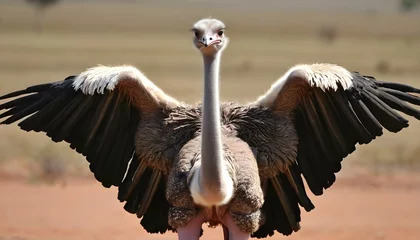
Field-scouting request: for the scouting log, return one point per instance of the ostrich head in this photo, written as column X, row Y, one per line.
column 209, row 36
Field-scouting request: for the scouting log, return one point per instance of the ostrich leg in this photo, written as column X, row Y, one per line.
column 232, row 230
column 192, row 230
column 225, row 233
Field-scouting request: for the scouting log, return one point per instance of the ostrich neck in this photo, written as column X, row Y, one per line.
column 211, row 144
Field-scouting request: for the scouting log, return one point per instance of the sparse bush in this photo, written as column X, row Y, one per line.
column 52, row 169
column 328, row 34
column 48, row 165
column 40, row 7
column 397, row 157
column 383, row 66
column 408, row 5
column 42, row 4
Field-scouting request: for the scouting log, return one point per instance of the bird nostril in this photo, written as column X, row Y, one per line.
column 211, row 39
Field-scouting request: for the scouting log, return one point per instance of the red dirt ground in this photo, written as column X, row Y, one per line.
column 358, row 207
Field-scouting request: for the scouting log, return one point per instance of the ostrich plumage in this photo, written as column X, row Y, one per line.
column 178, row 165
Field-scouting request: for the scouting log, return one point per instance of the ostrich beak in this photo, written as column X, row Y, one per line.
column 209, row 40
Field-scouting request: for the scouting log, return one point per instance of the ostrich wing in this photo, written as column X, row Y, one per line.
column 332, row 110
column 98, row 112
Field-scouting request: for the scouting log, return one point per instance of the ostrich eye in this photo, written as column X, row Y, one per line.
column 196, row 34
column 220, row 33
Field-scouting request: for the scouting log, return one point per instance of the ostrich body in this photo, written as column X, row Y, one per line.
column 178, row 165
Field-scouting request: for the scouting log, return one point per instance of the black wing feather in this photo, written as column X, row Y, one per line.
column 395, row 103
column 65, row 133
column 304, row 157
column 10, row 112
column 351, row 135
column 65, row 114
column 101, row 127
column 296, row 181
column 329, row 123
column 366, row 117
column 61, row 117
column 401, row 95
column 276, row 218
column 23, row 101
column 349, row 116
column 386, row 116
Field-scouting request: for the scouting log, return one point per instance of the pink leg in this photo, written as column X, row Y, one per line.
column 192, row 230
column 225, row 232
column 234, row 232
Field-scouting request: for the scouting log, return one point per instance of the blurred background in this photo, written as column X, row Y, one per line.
column 47, row 191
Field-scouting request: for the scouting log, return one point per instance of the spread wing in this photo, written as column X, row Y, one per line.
column 332, row 110
column 98, row 112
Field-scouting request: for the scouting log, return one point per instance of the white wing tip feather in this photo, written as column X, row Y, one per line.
column 97, row 79
column 322, row 75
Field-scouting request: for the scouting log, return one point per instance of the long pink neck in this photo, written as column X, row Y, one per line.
column 211, row 144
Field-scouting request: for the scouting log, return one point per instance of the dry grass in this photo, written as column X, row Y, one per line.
column 264, row 44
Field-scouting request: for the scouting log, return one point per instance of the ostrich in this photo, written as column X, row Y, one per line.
column 178, row 165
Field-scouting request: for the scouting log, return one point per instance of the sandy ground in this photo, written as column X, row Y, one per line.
column 354, row 208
